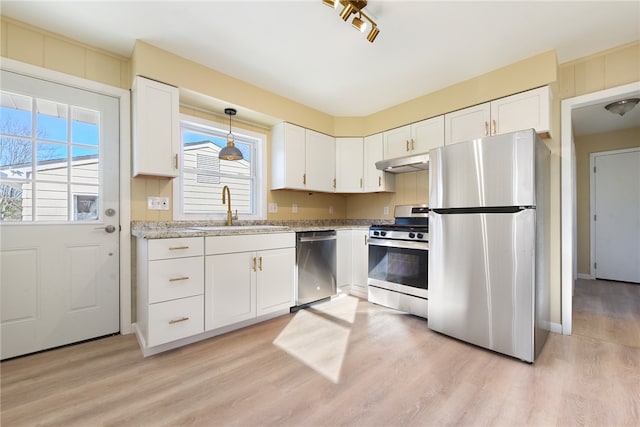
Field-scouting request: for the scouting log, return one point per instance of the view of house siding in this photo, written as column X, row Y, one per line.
column 57, row 199
column 205, row 175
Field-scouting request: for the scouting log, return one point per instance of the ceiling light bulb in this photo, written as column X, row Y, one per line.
column 359, row 24
column 373, row 34
column 347, row 11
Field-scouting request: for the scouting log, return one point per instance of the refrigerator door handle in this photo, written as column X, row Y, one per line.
column 494, row 209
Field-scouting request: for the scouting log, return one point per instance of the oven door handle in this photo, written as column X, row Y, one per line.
column 404, row 244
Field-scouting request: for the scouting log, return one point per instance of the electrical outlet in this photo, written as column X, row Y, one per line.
column 273, row 208
column 158, row 203
column 386, row 210
column 294, row 208
column 330, row 210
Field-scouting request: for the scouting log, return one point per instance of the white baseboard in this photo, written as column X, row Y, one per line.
column 555, row 327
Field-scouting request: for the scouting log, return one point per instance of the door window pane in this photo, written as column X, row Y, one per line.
column 66, row 160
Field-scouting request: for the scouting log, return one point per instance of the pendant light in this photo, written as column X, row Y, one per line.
column 230, row 152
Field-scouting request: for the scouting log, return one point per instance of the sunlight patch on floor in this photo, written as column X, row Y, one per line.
column 317, row 341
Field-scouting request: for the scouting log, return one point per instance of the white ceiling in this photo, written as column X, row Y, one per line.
column 303, row 51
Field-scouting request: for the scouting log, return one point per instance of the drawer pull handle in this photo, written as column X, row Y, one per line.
column 183, row 319
column 176, row 248
column 176, row 279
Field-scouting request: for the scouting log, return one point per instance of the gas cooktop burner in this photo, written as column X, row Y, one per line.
column 411, row 223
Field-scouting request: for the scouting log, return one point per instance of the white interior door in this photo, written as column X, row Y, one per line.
column 617, row 215
column 59, row 214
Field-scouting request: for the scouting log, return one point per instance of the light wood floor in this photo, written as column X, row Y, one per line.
column 394, row 372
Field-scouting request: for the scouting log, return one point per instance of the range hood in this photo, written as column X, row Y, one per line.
column 411, row 163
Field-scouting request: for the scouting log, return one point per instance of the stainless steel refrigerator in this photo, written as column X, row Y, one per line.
column 489, row 242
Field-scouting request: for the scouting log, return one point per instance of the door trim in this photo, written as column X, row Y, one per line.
column 592, row 205
column 125, row 169
column 568, row 221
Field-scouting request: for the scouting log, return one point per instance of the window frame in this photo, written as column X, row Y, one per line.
column 259, row 164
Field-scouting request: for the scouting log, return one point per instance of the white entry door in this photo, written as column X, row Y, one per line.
column 617, row 215
column 59, row 214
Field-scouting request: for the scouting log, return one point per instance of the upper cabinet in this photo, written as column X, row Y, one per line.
column 320, row 161
column 376, row 180
column 156, row 128
column 524, row 110
column 349, row 165
column 301, row 159
column 416, row 138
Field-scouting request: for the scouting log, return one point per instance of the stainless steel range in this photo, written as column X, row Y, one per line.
column 399, row 261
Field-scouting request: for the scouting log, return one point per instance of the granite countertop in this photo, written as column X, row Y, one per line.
column 173, row 229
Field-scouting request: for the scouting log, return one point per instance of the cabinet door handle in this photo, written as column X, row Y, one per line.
column 486, row 129
column 177, row 248
column 177, row 279
column 254, row 263
column 407, row 144
column 379, row 181
column 413, row 144
column 493, row 125
column 366, row 240
column 304, row 178
column 260, row 263
column 176, row 161
column 182, row 319
column 334, row 183
column 360, row 182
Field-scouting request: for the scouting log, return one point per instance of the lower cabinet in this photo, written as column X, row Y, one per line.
column 189, row 289
column 353, row 261
column 170, row 282
column 245, row 284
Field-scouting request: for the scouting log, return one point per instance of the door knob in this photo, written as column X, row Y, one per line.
column 110, row 228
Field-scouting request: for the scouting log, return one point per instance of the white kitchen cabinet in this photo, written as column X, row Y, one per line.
column 248, row 276
column 376, row 180
column 156, row 128
column 320, row 162
column 417, row 138
column 301, row 159
column 349, row 165
column 359, row 262
column 170, row 289
column 344, row 259
column 288, row 157
column 524, row 110
column 353, row 265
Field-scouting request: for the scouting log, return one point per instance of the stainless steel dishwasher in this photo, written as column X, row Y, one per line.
column 316, row 266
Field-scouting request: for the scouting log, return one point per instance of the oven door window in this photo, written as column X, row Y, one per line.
column 399, row 265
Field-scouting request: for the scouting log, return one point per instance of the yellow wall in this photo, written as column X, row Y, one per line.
column 38, row 47
column 585, row 145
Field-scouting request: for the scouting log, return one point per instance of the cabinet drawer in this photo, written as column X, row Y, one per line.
column 172, row 320
column 176, row 248
column 249, row 242
column 175, row 278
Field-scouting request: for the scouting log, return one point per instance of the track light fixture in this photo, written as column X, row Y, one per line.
column 230, row 152
column 351, row 7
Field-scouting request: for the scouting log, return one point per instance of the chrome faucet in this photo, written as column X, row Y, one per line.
column 230, row 217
